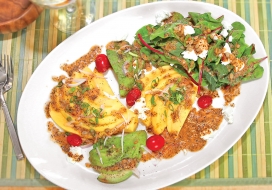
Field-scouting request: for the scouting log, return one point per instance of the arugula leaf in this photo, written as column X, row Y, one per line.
column 144, row 31
column 164, row 31
column 211, row 56
column 194, row 16
column 241, row 48
column 211, row 80
column 250, row 50
column 206, row 20
column 237, row 31
column 172, row 46
column 177, row 17
column 256, row 74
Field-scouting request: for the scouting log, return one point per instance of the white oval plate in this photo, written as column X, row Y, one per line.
column 47, row 157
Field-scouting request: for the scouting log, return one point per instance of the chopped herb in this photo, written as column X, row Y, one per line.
column 92, row 122
column 69, row 119
column 139, row 85
column 85, row 89
column 72, row 90
column 155, row 82
column 97, row 112
column 153, row 103
column 171, row 107
column 165, row 114
column 176, row 95
column 86, row 108
column 93, row 132
column 60, row 84
column 133, row 54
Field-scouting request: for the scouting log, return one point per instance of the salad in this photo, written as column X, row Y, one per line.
column 209, row 51
column 161, row 74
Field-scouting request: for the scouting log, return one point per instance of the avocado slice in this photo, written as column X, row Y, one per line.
column 115, row 177
column 125, row 81
column 109, row 160
column 127, row 64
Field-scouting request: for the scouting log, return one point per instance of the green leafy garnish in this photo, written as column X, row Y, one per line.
column 153, row 103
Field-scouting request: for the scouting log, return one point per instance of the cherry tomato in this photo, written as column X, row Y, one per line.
column 74, row 140
column 102, row 63
column 132, row 96
column 204, row 101
column 155, row 142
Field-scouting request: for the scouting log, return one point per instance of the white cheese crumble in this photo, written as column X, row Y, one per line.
column 134, row 64
column 140, row 106
column 203, row 54
column 161, row 15
column 188, row 30
column 230, row 38
column 109, row 96
column 224, row 33
column 190, row 55
column 227, row 48
column 193, row 56
column 228, row 113
column 74, row 150
column 227, row 25
column 145, row 72
column 209, row 136
column 225, row 62
column 215, row 37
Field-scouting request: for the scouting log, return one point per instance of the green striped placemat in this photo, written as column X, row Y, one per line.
column 248, row 162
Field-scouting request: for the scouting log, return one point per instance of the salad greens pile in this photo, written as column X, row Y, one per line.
column 208, row 50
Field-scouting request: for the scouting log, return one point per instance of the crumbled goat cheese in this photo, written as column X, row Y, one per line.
column 188, row 30
column 209, row 136
column 230, row 38
column 227, row 25
column 228, row 113
column 203, row 54
column 140, row 106
column 225, row 62
column 190, row 55
column 224, row 33
column 227, row 48
column 160, row 16
column 74, row 150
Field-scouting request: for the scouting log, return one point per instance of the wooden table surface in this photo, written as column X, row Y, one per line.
column 247, row 165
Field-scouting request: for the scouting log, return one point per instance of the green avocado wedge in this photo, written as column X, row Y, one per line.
column 115, row 162
column 126, row 82
column 115, row 177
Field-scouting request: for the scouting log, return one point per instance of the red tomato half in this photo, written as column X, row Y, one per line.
column 102, row 63
column 155, row 142
column 132, row 96
column 74, row 140
column 204, row 101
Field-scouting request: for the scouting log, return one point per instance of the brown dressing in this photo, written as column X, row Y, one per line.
column 198, row 124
